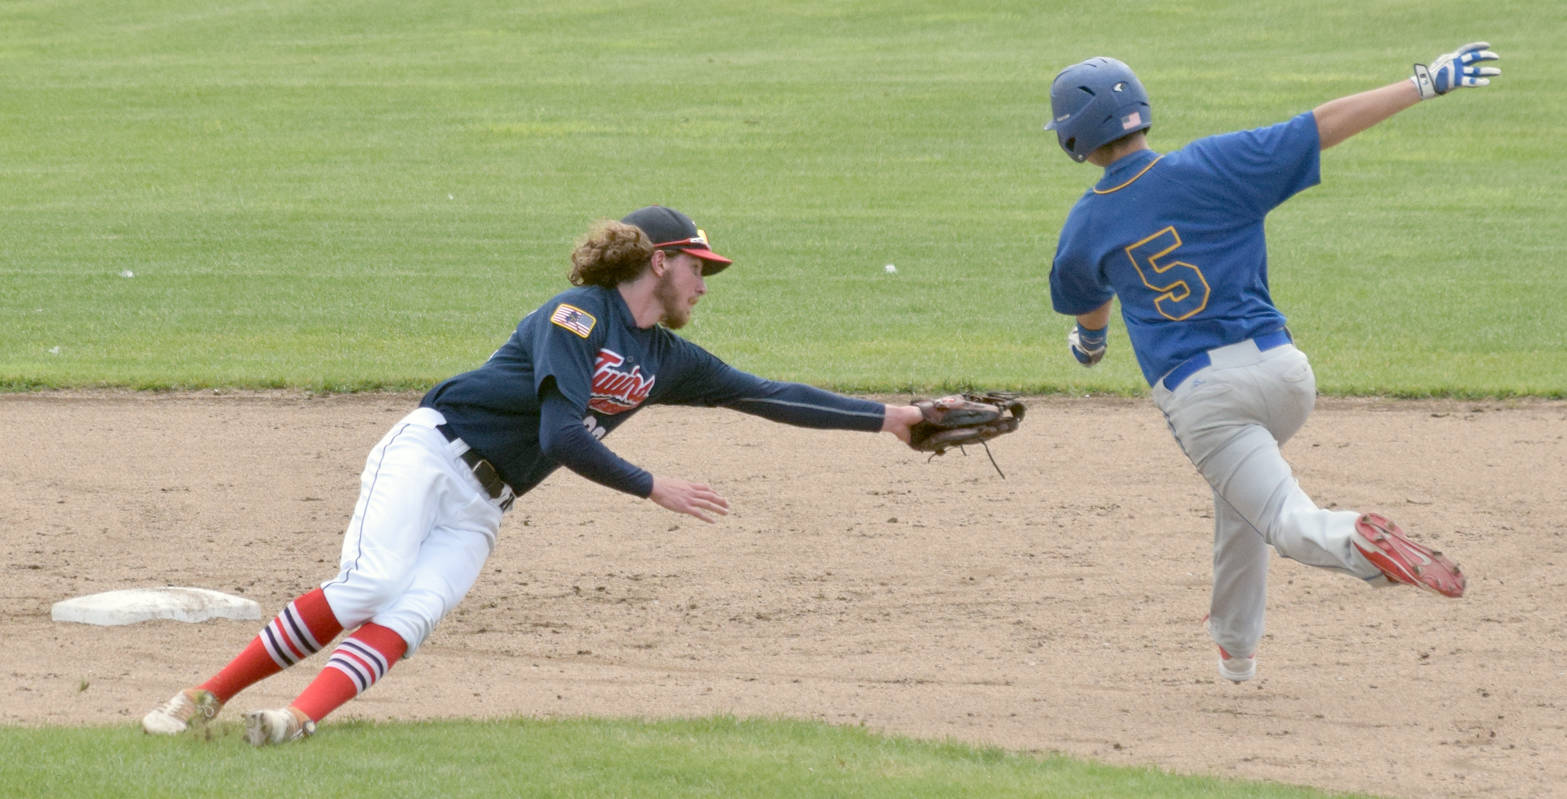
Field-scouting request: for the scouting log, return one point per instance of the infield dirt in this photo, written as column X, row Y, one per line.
column 1058, row 609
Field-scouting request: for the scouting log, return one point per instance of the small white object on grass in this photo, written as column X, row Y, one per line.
column 891, row 270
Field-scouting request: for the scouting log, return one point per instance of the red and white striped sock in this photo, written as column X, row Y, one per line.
column 357, row 663
column 302, row 629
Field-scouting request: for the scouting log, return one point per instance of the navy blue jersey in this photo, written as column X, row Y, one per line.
column 585, row 344
column 1179, row 238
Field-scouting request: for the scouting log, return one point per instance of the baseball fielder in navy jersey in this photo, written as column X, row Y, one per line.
column 435, row 487
column 1179, row 238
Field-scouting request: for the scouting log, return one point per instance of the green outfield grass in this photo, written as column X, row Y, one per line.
column 344, row 196
column 723, row 758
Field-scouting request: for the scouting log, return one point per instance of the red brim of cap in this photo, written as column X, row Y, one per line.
column 718, row 261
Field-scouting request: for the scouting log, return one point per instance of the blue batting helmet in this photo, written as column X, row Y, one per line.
column 1094, row 103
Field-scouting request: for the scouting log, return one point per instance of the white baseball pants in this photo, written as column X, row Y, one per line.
column 1230, row 419
column 420, row 533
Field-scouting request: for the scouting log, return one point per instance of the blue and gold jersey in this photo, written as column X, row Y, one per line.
column 1179, row 239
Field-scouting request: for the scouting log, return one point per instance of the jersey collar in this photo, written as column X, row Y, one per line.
column 1122, row 173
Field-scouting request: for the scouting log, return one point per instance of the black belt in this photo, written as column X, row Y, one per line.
column 1202, row 360
column 481, row 468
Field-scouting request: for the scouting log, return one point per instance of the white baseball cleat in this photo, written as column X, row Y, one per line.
column 184, row 708
column 1236, row 668
column 266, row 727
column 1404, row 561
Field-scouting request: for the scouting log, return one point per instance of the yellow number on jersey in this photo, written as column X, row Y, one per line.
column 1175, row 283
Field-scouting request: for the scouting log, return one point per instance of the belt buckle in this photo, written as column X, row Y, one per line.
column 485, row 472
column 492, row 482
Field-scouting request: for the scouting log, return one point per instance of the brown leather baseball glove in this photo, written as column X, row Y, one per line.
column 958, row 420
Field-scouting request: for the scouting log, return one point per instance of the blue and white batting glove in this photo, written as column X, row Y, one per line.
column 1452, row 70
column 1088, row 346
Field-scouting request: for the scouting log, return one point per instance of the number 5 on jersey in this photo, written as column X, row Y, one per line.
column 1172, row 282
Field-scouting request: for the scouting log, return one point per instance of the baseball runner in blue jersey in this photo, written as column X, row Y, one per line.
column 1178, row 237
column 434, row 489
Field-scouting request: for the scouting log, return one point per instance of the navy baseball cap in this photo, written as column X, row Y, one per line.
column 669, row 228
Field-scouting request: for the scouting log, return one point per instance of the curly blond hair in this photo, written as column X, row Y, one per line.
column 610, row 254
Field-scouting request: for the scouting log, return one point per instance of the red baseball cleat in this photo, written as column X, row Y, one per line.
column 1404, row 561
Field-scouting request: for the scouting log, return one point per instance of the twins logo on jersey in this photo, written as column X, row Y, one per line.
column 616, row 390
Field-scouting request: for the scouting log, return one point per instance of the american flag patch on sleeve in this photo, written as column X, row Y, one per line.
column 574, row 319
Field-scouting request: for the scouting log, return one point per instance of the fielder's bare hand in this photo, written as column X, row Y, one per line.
column 692, row 499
